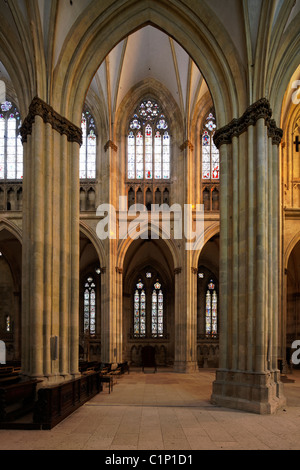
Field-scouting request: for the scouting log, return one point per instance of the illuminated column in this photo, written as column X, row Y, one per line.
column 185, row 278
column 112, row 307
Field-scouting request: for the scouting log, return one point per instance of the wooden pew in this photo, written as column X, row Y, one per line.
column 58, row 401
column 9, row 375
column 17, row 399
column 124, row 367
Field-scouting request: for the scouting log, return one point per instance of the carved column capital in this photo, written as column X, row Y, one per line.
column 39, row 108
column 259, row 109
column 177, row 270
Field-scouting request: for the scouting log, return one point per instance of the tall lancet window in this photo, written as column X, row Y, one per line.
column 11, row 148
column 89, row 302
column 157, row 314
column 139, row 318
column 211, row 310
column 210, row 153
column 148, row 313
column 148, row 144
column 87, row 156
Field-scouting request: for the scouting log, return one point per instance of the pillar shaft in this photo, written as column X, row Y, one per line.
column 51, row 245
column 248, row 377
column 186, row 299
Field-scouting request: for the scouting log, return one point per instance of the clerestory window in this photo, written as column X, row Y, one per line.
column 11, row 148
column 148, row 144
column 87, row 156
column 210, row 153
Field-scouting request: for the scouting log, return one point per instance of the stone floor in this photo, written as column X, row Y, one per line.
column 165, row 411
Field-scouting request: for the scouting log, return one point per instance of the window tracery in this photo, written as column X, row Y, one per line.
column 87, row 155
column 210, row 153
column 11, row 148
column 89, row 296
column 148, row 144
column 148, row 313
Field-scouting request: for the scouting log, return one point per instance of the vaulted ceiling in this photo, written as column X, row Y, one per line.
column 149, row 53
column 35, row 36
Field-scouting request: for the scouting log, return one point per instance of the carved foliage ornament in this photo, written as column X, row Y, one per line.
column 58, row 122
column 258, row 110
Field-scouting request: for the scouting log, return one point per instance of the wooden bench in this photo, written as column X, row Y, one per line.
column 17, row 399
column 9, row 375
column 123, row 367
column 107, row 378
column 86, row 366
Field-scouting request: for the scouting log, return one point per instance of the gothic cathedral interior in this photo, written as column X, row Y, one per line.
column 150, row 189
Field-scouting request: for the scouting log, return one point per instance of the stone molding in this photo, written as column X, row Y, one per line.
column 259, row 109
column 177, row 270
column 110, row 144
column 39, row 108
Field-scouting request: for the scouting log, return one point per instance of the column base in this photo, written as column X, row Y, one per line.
column 187, row 367
column 53, row 379
column 260, row 393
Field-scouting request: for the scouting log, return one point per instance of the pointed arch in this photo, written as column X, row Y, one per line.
column 159, row 233
column 97, row 243
column 12, row 228
column 199, row 32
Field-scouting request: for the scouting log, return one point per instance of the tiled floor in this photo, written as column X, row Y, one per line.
column 165, row 411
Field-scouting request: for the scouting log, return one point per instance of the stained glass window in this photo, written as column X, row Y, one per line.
column 148, row 309
column 87, row 155
column 8, row 324
column 139, row 318
column 211, row 310
column 210, row 153
column 148, row 144
column 11, row 148
column 157, row 314
column 89, row 301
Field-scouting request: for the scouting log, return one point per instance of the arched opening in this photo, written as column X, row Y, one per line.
column 292, row 327
column 89, row 302
column 148, row 301
column 208, row 323
column 10, row 295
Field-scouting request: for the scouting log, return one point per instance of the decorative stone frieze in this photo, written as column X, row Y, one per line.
column 259, row 109
column 39, row 108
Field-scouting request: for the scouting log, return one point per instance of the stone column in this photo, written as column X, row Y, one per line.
column 50, row 262
column 111, row 314
column 248, row 376
column 185, row 280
